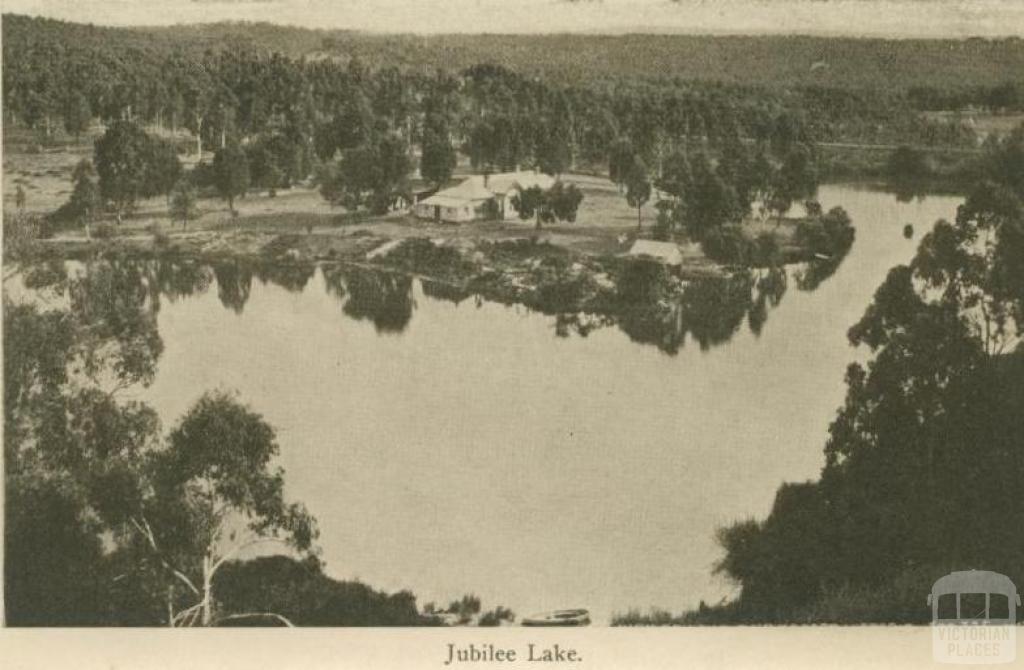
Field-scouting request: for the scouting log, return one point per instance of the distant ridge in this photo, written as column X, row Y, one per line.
column 881, row 18
column 850, row 63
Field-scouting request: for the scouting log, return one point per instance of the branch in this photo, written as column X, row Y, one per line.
column 120, row 386
column 180, row 616
column 192, row 616
column 248, row 615
column 147, row 532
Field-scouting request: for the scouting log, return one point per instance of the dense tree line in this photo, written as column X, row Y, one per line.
column 973, row 65
column 290, row 109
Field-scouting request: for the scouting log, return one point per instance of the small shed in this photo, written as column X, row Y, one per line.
column 666, row 253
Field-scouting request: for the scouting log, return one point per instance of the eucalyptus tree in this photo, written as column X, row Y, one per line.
column 621, row 158
column 133, row 165
column 638, row 187
column 554, row 142
column 439, row 157
column 231, row 173
column 712, row 202
column 559, row 203
column 85, row 201
column 211, row 494
column 77, row 113
column 183, row 202
column 369, row 176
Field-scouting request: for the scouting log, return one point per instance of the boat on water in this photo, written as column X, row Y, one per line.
column 577, row 617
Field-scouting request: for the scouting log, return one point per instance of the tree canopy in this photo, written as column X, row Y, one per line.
column 923, row 459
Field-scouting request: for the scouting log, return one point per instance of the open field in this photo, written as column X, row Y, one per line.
column 604, row 221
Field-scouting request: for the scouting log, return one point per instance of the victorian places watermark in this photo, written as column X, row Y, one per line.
column 974, row 615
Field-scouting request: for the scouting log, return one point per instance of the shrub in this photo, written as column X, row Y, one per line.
column 563, row 294
column 104, row 231
column 496, row 616
column 728, row 244
column 655, row 617
column 765, row 250
column 21, row 232
column 642, row 282
column 908, row 163
column 419, row 254
column 204, row 177
column 160, row 239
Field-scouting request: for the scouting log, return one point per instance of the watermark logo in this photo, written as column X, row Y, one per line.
column 974, row 616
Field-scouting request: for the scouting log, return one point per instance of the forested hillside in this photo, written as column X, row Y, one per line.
column 574, row 58
column 850, row 90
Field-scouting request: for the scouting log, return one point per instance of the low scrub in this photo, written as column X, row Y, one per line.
column 420, row 255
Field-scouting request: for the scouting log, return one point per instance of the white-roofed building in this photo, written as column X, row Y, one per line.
column 469, row 201
column 667, row 253
column 480, row 198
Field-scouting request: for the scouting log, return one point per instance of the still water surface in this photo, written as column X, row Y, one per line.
column 470, row 449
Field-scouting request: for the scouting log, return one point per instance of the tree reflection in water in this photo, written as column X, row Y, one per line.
column 445, row 291
column 112, row 304
column 292, row 277
column 381, row 297
column 176, row 279
column 234, row 283
column 709, row 310
column 645, row 305
column 770, row 286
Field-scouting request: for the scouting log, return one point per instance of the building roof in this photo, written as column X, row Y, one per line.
column 442, row 200
column 472, row 189
column 504, row 182
column 666, row 252
column 468, row 192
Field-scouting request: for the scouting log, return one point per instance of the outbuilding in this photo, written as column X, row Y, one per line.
column 666, row 253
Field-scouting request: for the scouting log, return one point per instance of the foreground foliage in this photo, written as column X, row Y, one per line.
column 924, row 460
column 110, row 521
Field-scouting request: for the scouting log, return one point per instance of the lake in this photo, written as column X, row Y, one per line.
column 452, row 446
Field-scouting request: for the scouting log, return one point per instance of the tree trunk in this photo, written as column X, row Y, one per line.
column 638, row 217
column 207, row 591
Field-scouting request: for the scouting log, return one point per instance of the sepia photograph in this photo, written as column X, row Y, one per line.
column 485, row 333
